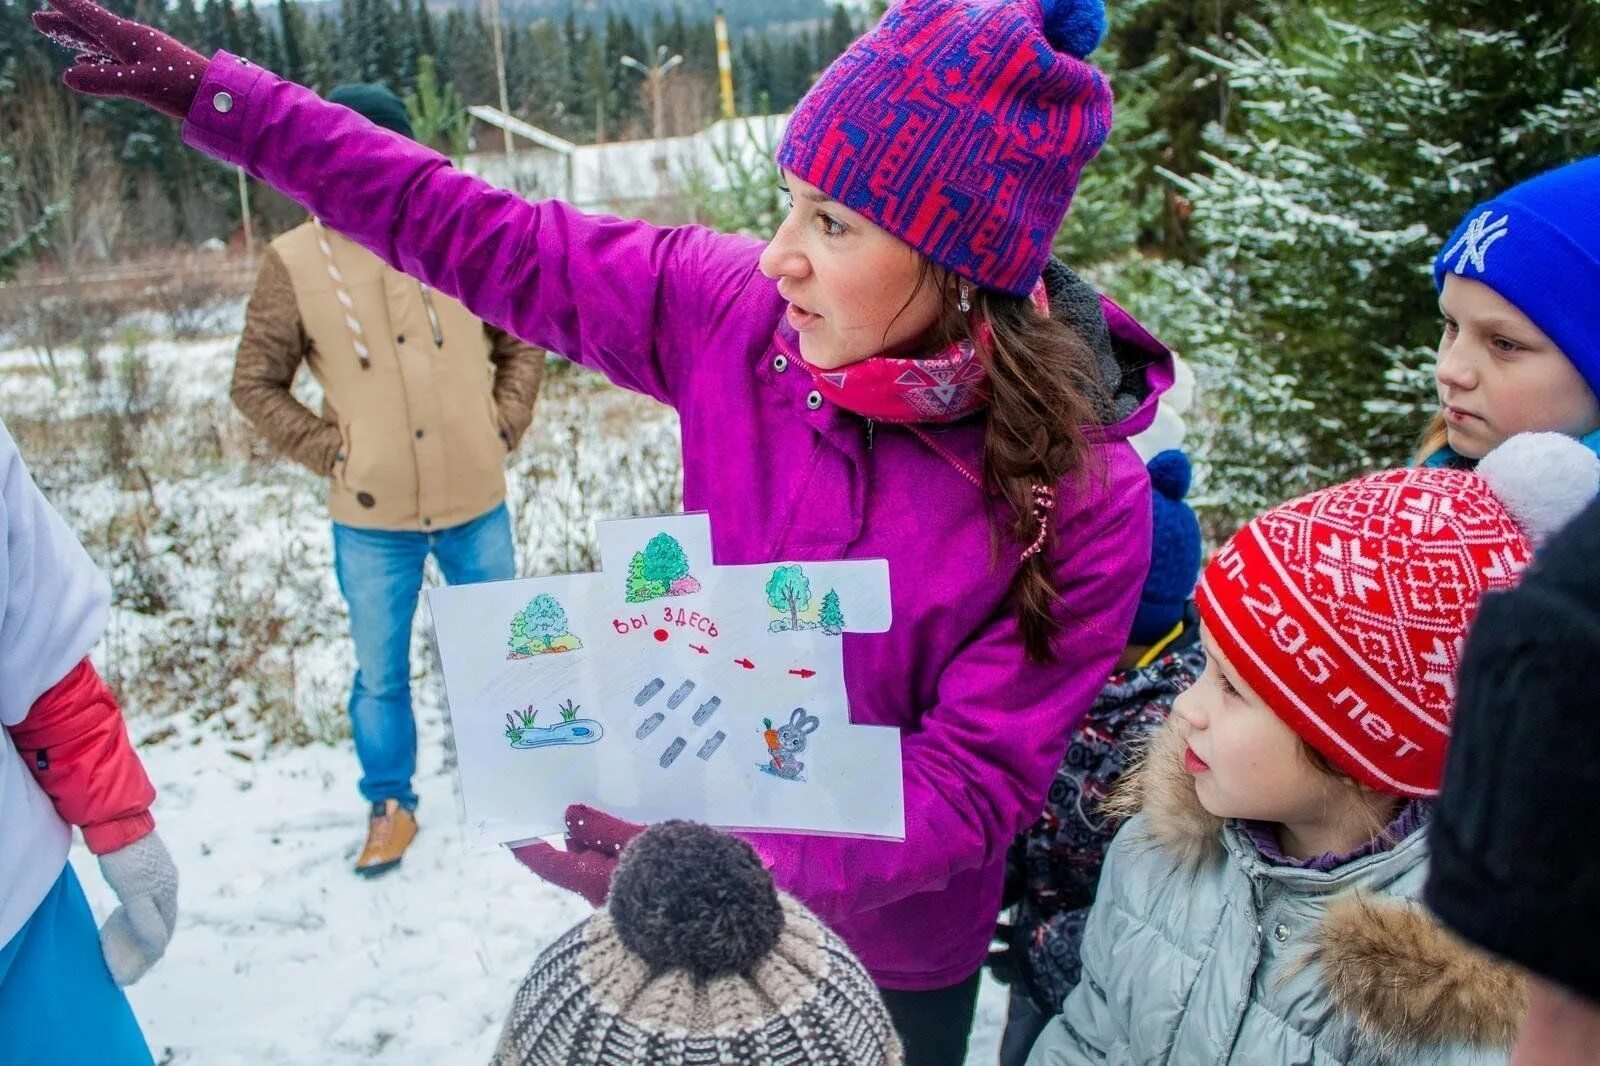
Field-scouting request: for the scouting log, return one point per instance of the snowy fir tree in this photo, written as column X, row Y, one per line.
column 1368, row 130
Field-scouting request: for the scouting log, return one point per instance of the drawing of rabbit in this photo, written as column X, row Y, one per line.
column 788, row 741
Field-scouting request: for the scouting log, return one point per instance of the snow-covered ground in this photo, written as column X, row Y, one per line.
column 281, row 954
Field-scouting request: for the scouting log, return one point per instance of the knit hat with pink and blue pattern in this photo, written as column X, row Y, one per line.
column 961, row 127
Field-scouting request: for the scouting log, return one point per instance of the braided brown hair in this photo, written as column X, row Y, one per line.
column 1043, row 386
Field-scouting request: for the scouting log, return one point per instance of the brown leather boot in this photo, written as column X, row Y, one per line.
column 390, row 832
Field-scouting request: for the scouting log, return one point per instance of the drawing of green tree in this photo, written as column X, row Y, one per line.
column 788, row 589
column 546, row 618
column 832, row 617
column 640, row 588
column 664, row 560
column 521, row 642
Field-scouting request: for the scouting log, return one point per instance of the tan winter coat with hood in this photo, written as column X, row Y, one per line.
column 415, row 439
column 1199, row 951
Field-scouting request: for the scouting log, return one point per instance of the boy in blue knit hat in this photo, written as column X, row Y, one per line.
column 1517, row 287
column 1054, row 866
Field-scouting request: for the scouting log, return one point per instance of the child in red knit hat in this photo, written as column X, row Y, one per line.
column 1258, row 909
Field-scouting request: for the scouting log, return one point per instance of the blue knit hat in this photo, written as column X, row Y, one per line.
column 1538, row 245
column 1174, row 550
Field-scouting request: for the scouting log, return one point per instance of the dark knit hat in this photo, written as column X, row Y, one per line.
column 1538, row 245
column 1514, row 867
column 961, row 127
column 375, row 103
column 1174, row 550
column 697, row 958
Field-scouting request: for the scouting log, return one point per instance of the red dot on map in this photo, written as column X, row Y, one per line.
column 661, row 634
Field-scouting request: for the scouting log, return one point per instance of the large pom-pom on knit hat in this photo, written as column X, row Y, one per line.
column 1538, row 245
column 1346, row 610
column 697, row 958
column 1174, row 550
column 961, row 127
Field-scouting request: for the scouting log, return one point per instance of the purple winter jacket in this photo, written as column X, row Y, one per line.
column 683, row 315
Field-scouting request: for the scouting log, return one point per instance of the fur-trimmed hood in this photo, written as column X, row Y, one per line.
column 1402, row 977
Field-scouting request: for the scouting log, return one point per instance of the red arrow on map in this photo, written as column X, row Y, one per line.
column 746, row 663
column 699, row 649
column 803, row 674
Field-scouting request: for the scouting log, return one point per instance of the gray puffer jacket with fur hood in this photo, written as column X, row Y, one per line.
column 1200, row 951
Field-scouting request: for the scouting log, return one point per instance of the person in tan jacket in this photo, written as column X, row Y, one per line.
column 422, row 402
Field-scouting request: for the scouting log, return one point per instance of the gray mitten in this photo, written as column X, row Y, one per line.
column 146, row 883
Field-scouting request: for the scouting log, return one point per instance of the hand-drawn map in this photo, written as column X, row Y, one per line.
column 665, row 686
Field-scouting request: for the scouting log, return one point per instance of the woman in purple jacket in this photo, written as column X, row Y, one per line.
column 900, row 373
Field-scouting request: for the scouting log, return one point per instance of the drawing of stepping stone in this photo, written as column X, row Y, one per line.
column 648, row 726
column 648, row 693
column 709, row 747
column 680, row 695
column 672, row 751
column 706, row 710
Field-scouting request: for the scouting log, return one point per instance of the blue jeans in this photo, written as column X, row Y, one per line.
column 58, row 1003
column 380, row 574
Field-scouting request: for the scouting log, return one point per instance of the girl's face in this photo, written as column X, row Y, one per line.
column 1498, row 375
column 853, row 289
column 1246, row 763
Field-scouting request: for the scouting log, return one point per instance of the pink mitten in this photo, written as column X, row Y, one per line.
column 119, row 57
column 594, row 841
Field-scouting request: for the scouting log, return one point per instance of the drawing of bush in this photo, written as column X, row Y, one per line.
column 662, row 569
column 664, row 560
column 540, row 627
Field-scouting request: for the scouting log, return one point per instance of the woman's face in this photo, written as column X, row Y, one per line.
column 1499, row 375
column 853, row 289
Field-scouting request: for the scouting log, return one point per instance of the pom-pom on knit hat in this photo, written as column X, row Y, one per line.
column 961, row 127
column 1174, row 550
column 1346, row 609
column 1538, row 245
column 697, row 958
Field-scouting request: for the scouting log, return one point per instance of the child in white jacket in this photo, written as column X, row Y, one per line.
column 65, row 760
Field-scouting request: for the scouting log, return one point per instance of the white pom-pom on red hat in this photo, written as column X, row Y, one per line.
column 1544, row 480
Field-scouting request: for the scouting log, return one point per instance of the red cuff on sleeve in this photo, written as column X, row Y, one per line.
column 105, row 837
column 76, row 745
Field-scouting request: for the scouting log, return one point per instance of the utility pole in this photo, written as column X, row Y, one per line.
column 244, row 213
column 500, row 74
column 725, row 66
column 655, row 76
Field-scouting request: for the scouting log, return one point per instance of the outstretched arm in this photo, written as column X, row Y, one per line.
column 632, row 300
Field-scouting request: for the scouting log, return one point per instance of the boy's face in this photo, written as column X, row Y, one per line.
column 1246, row 763
column 1499, row 375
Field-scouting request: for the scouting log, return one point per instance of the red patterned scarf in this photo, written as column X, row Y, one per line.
column 944, row 387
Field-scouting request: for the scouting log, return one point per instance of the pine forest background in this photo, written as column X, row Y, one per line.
column 1278, row 179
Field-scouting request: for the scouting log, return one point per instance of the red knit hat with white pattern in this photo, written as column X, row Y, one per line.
column 1345, row 610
